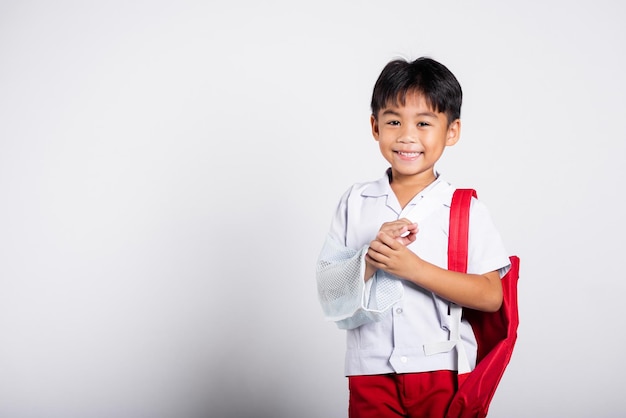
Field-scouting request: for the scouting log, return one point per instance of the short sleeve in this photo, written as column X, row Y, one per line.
column 486, row 249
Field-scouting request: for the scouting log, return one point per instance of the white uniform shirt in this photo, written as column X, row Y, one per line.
column 389, row 320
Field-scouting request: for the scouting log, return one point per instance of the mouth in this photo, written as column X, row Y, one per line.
column 408, row 155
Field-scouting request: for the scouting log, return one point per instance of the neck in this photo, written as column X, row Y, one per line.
column 406, row 188
column 417, row 183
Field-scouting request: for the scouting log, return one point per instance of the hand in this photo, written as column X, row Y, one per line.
column 387, row 253
column 402, row 230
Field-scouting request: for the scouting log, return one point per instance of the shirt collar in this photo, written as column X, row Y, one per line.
column 382, row 187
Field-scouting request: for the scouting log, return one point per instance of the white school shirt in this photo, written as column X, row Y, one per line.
column 390, row 321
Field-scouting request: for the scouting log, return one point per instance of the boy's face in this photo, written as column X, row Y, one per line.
column 412, row 138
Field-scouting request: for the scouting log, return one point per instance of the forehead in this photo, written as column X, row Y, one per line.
column 409, row 99
column 412, row 102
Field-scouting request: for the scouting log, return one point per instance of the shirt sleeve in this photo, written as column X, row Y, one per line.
column 343, row 294
column 486, row 249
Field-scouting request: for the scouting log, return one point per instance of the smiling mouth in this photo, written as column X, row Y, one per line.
column 408, row 154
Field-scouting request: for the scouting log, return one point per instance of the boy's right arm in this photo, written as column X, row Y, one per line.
column 344, row 294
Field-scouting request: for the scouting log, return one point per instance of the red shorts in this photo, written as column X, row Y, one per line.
column 409, row 395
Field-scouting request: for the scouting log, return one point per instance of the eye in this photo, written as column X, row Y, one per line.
column 393, row 123
column 422, row 124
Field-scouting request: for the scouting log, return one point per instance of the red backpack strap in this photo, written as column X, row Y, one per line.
column 458, row 234
column 457, row 261
column 495, row 332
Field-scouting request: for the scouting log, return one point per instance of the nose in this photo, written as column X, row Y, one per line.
column 408, row 134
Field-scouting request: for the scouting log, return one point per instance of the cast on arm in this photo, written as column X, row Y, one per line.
column 344, row 295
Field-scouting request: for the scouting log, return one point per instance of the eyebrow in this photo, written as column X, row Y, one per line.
column 394, row 113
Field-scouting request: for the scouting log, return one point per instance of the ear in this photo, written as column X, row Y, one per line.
column 454, row 133
column 375, row 131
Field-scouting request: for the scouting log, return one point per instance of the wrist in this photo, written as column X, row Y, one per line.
column 370, row 270
column 417, row 270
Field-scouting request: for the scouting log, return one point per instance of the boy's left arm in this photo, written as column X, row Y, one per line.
column 477, row 291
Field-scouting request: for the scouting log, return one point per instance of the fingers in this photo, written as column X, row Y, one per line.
column 375, row 255
column 409, row 238
column 387, row 254
column 381, row 249
column 409, row 232
column 388, row 251
column 400, row 228
column 409, row 227
column 388, row 240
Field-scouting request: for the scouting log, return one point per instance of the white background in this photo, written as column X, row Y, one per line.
column 168, row 171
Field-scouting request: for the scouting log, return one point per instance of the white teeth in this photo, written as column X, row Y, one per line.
column 409, row 154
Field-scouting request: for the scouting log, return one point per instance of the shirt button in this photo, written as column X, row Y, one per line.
column 403, row 359
column 398, row 311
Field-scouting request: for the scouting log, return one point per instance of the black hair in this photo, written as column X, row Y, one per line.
column 426, row 76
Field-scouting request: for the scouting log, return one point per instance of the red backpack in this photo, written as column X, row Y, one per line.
column 496, row 332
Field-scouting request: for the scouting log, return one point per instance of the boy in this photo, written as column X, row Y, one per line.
column 382, row 271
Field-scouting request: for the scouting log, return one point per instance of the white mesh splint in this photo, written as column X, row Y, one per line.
column 345, row 297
